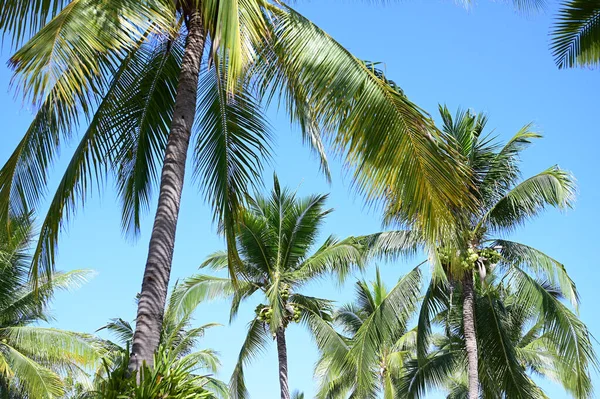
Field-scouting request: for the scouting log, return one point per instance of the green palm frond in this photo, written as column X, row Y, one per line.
column 552, row 187
column 498, row 353
column 390, row 245
column 254, row 344
column 503, row 171
column 316, row 314
column 576, row 34
column 381, row 327
column 26, row 303
column 147, row 100
column 352, row 99
column 120, row 328
column 426, row 374
column 36, row 380
column 335, row 257
column 233, row 141
column 199, row 288
column 541, row 265
column 434, row 301
column 50, row 345
column 565, row 330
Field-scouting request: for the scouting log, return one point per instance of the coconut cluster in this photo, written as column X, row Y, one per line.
column 293, row 313
column 468, row 260
column 264, row 313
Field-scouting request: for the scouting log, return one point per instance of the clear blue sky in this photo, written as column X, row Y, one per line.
column 489, row 59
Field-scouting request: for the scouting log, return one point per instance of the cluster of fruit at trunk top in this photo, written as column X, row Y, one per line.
column 292, row 312
column 487, row 257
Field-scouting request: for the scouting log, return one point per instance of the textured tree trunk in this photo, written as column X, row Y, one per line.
column 470, row 335
column 162, row 241
column 283, row 365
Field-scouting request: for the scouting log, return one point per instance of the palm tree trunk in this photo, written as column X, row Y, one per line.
column 283, row 365
column 470, row 336
column 162, row 241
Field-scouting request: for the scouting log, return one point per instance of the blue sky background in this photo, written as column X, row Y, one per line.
column 489, row 58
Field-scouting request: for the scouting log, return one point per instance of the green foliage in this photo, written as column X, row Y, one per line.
column 275, row 241
column 119, row 74
column 169, row 378
column 517, row 335
column 33, row 359
column 576, row 34
column 177, row 363
column 378, row 341
column 515, row 283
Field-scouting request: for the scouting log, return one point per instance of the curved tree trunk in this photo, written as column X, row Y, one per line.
column 470, row 335
column 283, row 365
column 160, row 254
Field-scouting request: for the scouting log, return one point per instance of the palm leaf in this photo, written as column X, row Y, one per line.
column 576, row 34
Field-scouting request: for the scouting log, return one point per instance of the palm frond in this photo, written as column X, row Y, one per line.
column 37, row 380
column 254, row 344
column 543, row 266
column 233, row 140
column 388, row 140
column 576, row 34
column 565, row 330
column 552, row 187
column 382, row 326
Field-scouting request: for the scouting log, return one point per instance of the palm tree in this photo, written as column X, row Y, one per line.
column 32, row 358
column 177, row 350
column 473, row 249
column 376, row 330
column 133, row 69
column 274, row 240
column 513, row 340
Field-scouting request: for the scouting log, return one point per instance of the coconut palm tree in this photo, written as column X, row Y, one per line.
column 274, row 240
column 177, row 350
column 513, row 342
column 473, row 249
column 33, row 358
column 133, row 70
column 375, row 328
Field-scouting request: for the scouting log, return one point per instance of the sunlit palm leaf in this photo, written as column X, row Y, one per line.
column 552, row 187
column 543, row 266
column 233, row 140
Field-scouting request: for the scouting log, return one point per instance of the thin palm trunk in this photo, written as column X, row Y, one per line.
column 283, row 365
column 162, row 242
column 470, row 337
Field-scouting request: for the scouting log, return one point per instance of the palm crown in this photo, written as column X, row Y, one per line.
column 274, row 240
column 375, row 328
column 505, row 203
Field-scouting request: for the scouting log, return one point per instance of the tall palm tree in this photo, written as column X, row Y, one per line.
column 375, row 327
column 505, row 203
column 514, row 343
column 33, row 358
column 469, row 247
column 274, row 240
column 133, row 69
